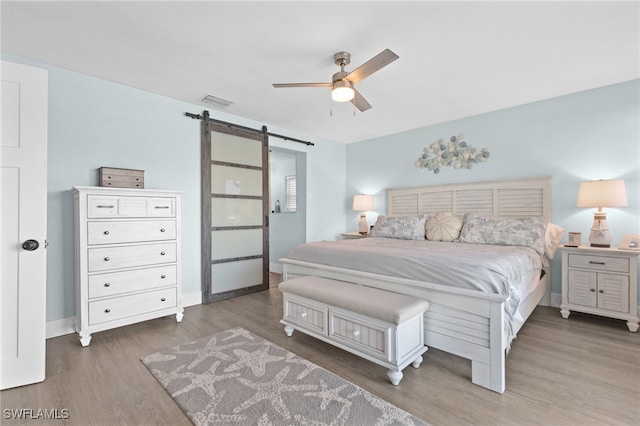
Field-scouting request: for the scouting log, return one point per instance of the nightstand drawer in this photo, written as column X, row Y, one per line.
column 600, row 263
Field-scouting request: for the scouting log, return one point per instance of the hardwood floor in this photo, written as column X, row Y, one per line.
column 581, row 371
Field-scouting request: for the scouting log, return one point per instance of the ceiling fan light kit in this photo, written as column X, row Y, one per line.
column 342, row 91
column 342, row 82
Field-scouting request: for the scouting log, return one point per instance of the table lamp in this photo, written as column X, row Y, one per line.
column 363, row 203
column 600, row 194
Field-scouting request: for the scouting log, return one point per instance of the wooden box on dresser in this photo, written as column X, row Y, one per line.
column 128, row 257
column 600, row 281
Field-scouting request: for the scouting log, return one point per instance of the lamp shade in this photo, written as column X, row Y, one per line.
column 362, row 202
column 602, row 193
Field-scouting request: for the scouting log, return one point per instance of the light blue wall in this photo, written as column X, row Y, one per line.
column 94, row 123
column 584, row 136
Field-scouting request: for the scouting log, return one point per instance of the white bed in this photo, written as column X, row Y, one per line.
column 461, row 321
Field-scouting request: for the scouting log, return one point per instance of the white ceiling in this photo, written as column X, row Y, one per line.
column 457, row 59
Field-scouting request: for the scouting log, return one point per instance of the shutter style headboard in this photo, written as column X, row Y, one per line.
column 509, row 198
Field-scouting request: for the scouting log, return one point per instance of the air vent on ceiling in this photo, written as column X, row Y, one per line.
column 214, row 100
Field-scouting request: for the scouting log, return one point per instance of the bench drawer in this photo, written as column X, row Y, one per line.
column 306, row 315
column 357, row 332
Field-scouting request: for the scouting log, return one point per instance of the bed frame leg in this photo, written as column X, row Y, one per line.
column 481, row 376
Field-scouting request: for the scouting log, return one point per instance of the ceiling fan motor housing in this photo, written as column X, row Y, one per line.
column 342, row 59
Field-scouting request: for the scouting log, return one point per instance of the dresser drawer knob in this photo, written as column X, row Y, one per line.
column 597, row 263
column 101, row 206
column 107, row 284
column 106, row 259
column 107, row 310
column 163, row 299
column 303, row 315
column 162, row 229
column 163, row 276
column 162, row 207
column 592, row 290
column 106, row 232
column 600, row 291
column 162, row 253
column 356, row 333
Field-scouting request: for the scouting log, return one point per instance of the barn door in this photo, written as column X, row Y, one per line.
column 235, row 220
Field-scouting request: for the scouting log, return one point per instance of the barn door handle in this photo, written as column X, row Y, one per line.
column 30, row 245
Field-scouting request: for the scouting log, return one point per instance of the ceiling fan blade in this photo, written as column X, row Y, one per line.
column 382, row 59
column 360, row 102
column 279, row 85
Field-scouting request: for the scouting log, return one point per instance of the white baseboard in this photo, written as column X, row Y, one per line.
column 276, row 268
column 64, row 326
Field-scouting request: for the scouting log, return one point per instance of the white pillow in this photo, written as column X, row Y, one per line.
column 400, row 227
column 443, row 226
column 552, row 237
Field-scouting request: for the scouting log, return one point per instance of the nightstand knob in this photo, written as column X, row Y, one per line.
column 163, row 276
column 107, row 310
column 106, row 232
column 162, row 253
column 163, row 299
column 106, row 259
column 356, row 333
column 303, row 315
column 107, row 284
column 162, row 229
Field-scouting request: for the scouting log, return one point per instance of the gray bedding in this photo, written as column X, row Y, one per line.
column 512, row 271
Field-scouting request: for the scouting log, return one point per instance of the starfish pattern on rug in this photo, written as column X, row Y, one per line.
column 210, row 349
column 256, row 361
column 238, row 332
column 271, row 391
column 292, row 358
column 235, row 377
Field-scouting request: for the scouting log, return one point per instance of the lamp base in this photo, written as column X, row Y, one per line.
column 363, row 229
column 600, row 235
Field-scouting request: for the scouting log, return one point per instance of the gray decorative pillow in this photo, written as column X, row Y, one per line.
column 400, row 227
column 517, row 231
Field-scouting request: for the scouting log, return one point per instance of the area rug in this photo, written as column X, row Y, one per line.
column 236, row 377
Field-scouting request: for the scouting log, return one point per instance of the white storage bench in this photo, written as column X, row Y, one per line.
column 381, row 326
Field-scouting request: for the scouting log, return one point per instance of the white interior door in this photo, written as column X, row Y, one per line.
column 23, row 224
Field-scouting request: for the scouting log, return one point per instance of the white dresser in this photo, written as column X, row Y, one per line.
column 128, row 266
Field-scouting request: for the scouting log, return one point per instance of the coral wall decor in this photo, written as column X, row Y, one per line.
column 456, row 153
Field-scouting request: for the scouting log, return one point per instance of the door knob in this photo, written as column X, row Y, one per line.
column 30, row 245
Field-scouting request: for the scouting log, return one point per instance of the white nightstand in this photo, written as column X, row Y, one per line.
column 353, row 235
column 600, row 281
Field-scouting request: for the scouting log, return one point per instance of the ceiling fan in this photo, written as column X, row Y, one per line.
column 342, row 83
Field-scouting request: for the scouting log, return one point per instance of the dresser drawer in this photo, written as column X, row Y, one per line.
column 126, row 306
column 359, row 333
column 114, row 283
column 311, row 317
column 109, row 206
column 107, row 258
column 111, row 232
column 600, row 263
